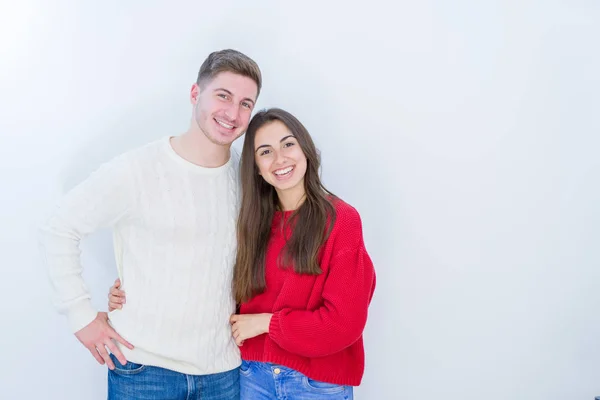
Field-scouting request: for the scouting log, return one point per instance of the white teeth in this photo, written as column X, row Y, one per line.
column 283, row 171
column 224, row 125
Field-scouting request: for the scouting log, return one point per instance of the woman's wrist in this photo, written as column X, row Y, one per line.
column 267, row 322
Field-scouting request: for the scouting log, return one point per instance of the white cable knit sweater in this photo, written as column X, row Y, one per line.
column 174, row 237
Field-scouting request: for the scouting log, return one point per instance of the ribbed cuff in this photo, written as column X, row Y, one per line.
column 275, row 327
column 81, row 314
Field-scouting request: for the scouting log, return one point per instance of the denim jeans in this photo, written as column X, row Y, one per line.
column 265, row 381
column 140, row 382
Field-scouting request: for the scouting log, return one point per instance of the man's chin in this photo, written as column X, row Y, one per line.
column 226, row 138
column 223, row 140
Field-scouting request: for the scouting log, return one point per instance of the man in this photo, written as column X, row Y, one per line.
column 173, row 206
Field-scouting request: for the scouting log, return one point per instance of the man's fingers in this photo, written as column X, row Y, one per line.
column 115, row 298
column 116, row 352
column 116, row 293
column 96, row 355
column 115, row 302
column 118, row 338
column 105, row 356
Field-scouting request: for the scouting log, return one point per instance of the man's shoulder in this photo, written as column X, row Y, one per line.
column 149, row 149
column 143, row 153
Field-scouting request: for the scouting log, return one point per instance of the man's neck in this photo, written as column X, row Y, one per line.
column 195, row 147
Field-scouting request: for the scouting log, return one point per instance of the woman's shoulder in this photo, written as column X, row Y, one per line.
column 346, row 216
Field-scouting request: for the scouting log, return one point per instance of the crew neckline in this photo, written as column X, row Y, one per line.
column 195, row 167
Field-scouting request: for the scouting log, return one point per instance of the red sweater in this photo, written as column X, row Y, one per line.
column 318, row 320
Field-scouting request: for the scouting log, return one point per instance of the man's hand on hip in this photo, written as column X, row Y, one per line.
column 98, row 335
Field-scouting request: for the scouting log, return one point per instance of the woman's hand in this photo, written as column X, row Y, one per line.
column 116, row 297
column 246, row 326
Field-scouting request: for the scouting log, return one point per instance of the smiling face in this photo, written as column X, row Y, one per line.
column 223, row 106
column 280, row 159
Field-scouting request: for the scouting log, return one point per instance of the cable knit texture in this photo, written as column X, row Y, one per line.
column 174, row 239
column 317, row 321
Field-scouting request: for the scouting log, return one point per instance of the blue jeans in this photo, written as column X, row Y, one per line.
column 140, row 382
column 265, row 381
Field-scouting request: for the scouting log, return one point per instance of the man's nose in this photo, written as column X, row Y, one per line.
column 232, row 112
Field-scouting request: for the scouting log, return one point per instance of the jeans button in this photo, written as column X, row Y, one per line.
column 277, row 371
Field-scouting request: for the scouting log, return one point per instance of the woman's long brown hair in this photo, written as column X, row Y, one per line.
column 311, row 222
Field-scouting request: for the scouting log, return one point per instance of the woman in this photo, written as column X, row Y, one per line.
column 302, row 276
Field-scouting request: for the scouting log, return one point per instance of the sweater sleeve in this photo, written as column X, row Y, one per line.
column 340, row 321
column 99, row 201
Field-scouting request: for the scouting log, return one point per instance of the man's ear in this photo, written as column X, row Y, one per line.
column 195, row 93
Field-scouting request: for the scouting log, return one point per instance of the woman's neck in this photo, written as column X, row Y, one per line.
column 291, row 199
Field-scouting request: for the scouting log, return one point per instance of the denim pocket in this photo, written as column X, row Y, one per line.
column 245, row 368
column 322, row 387
column 129, row 368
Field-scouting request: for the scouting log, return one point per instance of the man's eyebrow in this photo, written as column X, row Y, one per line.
column 231, row 94
column 224, row 90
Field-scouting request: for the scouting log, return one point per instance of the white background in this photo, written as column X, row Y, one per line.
column 466, row 133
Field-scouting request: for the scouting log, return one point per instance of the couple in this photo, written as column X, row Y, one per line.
column 290, row 255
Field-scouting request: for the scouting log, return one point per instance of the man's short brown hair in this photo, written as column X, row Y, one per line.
column 229, row 60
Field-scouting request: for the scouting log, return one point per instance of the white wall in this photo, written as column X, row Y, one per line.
column 466, row 133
